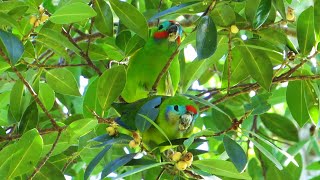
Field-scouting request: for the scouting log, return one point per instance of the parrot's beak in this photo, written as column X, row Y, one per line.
column 175, row 32
column 185, row 121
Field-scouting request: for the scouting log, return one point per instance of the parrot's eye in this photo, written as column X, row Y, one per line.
column 160, row 27
column 176, row 108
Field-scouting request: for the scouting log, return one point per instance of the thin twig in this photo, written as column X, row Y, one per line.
column 165, row 69
column 229, row 60
column 82, row 54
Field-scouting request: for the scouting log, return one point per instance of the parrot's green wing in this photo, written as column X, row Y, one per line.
column 145, row 66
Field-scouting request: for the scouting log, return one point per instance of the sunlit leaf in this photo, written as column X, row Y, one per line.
column 110, row 85
column 262, row 13
column 296, row 102
column 258, row 66
column 62, row 81
column 104, row 19
column 305, row 31
column 220, row 168
column 134, row 20
column 72, row 12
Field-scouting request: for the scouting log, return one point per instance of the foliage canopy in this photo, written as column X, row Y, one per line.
column 255, row 78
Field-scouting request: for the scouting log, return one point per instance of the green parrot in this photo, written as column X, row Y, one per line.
column 146, row 64
column 174, row 115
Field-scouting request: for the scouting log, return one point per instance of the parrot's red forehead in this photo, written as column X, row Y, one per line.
column 192, row 109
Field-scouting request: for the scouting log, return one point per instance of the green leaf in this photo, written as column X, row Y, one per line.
column 17, row 101
column 305, row 31
column 13, row 46
column 262, row 13
column 206, row 39
column 194, row 69
column 267, row 154
column 110, row 86
column 62, row 81
column 258, row 66
column 95, row 161
column 238, row 70
column 57, row 37
column 220, row 168
column 72, row 12
column 276, row 148
column 280, row 8
column 314, row 166
column 134, row 44
column 3, row 67
column 316, row 19
column 123, row 38
column 49, row 171
column 134, row 20
column 156, row 126
column 29, row 119
column 26, row 155
column 296, row 102
column 312, row 95
column 90, row 101
column 219, row 120
column 104, row 19
column 251, row 9
column 46, row 95
column 280, row 126
column 140, row 169
column 7, row 20
column 81, row 127
column 259, row 104
column 223, row 15
column 114, row 165
column 55, row 46
column 174, row 9
column 236, row 153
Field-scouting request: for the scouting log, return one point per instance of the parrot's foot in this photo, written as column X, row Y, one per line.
column 152, row 92
column 118, row 63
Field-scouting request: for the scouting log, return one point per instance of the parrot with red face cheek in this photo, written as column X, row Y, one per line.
column 146, row 64
column 176, row 118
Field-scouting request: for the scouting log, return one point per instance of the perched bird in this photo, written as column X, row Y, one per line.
column 174, row 115
column 147, row 63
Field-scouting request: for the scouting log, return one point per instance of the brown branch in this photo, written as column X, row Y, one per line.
column 193, row 175
column 229, row 60
column 55, row 66
column 30, row 89
column 256, row 86
column 165, row 69
column 82, row 54
column 41, row 132
column 235, row 125
column 46, row 158
column 209, row 8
